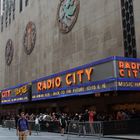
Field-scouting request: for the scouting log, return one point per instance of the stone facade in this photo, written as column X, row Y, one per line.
column 136, row 4
column 96, row 34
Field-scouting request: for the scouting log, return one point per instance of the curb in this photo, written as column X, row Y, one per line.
column 122, row 138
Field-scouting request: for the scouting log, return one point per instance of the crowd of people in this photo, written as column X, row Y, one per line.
column 62, row 119
column 86, row 115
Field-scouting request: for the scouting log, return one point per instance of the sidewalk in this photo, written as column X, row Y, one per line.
column 5, row 134
column 125, row 137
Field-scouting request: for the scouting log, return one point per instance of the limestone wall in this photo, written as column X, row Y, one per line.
column 136, row 4
column 97, row 34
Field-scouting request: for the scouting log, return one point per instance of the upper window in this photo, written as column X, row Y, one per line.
column 26, row 2
column 20, row 6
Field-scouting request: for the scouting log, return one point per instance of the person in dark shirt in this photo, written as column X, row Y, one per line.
column 23, row 127
column 86, row 116
column 16, row 120
column 63, row 123
column 85, row 120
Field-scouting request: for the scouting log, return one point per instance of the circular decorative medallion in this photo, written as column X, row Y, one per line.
column 9, row 51
column 29, row 38
column 67, row 14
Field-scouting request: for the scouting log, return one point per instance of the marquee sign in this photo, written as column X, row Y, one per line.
column 87, row 79
column 128, row 69
column 110, row 74
column 127, row 73
column 15, row 95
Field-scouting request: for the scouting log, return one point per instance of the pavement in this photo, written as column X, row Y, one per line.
column 124, row 137
column 5, row 134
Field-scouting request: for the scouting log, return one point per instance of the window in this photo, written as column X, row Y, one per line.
column 6, row 13
column 1, row 7
column 26, row 2
column 10, row 14
column 14, row 5
column 20, row 6
column 2, row 23
column 128, row 28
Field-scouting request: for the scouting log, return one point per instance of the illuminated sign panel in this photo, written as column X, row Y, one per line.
column 88, row 79
column 110, row 74
column 15, row 95
column 69, row 79
column 127, row 73
column 128, row 69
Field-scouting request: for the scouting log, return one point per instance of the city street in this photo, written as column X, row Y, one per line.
column 5, row 134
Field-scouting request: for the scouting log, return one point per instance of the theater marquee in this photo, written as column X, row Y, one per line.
column 110, row 74
column 16, row 94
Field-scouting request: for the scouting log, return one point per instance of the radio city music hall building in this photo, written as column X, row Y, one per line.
column 68, row 55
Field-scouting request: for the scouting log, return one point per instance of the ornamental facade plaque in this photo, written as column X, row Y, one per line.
column 67, row 14
column 29, row 38
column 9, row 51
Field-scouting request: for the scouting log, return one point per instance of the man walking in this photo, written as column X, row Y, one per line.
column 23, row 127
column 37, row 125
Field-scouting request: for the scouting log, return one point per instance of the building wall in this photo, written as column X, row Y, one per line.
column 137, row 23
column 97, row 34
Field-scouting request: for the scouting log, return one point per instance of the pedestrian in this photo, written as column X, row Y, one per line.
column 92, row 114
column 23, row 127
column 16, row 120
column 85, row 119
column 63, row 123
column 37, row 125
column 8, row 121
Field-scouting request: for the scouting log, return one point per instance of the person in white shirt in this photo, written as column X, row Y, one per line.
column 37, row 125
